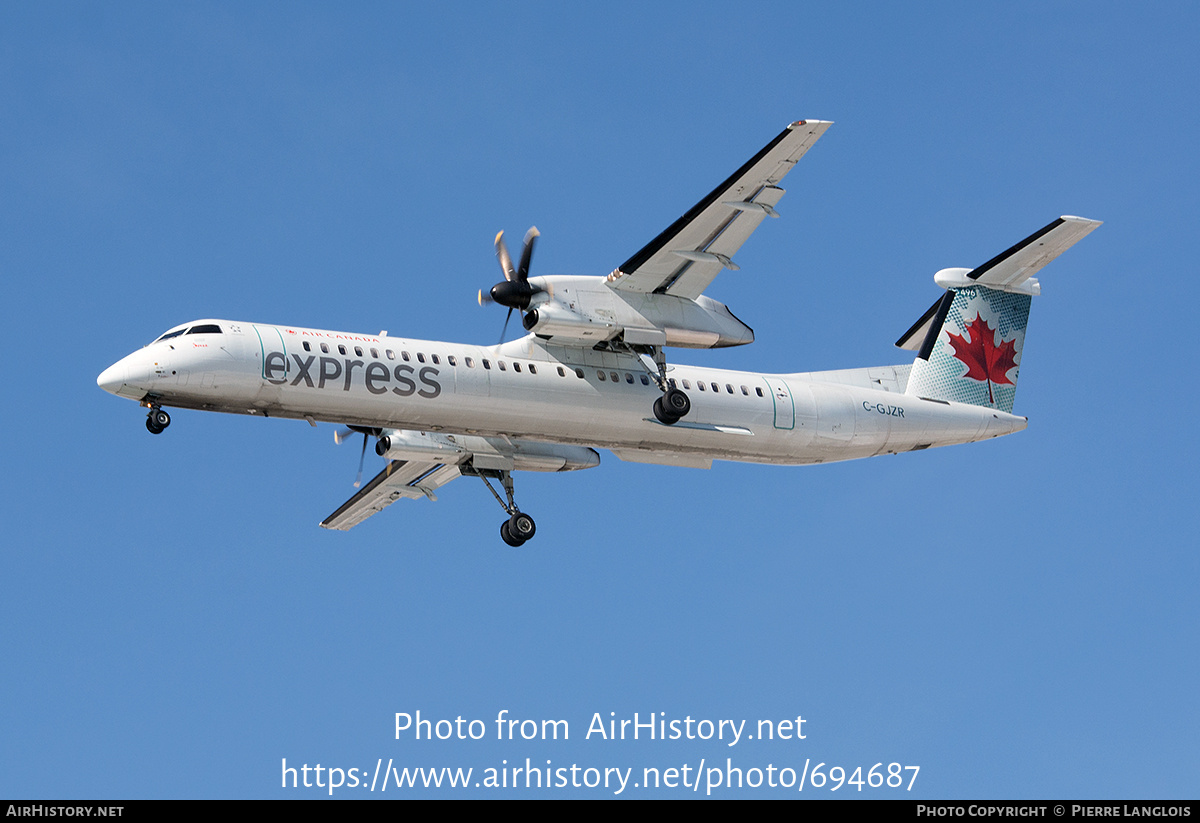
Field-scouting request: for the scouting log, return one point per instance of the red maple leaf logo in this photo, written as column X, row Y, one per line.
column 985, row 361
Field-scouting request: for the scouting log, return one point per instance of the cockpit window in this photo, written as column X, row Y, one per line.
column 171, row 334
column 205, row 328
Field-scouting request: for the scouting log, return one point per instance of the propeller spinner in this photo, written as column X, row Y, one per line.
column 514, row 290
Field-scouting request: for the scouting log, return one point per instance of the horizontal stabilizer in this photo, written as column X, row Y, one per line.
column 1006, row 271
column 1012, row 267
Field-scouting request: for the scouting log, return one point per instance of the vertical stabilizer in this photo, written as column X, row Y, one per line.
column 970, row 340
column 975, row 355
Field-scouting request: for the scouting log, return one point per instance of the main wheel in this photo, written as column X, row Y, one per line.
column 507, row 537
column 676, row 403
column 662, row 415
column 161, row 418
column 151, row 427
column 521, row 526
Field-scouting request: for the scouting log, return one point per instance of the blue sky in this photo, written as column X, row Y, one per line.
column 1017, row 618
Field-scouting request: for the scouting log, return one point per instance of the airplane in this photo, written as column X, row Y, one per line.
column 592, row 373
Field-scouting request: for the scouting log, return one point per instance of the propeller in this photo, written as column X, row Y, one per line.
column 342, row 435
column 514, row 290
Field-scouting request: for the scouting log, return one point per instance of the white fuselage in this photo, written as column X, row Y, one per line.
column 529, row 390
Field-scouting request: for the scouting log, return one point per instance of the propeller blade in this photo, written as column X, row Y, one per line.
column 505, row 261
column 507, row 317
column 342, row 435
column 485, row 298
column 361, row 458
column 527, row 253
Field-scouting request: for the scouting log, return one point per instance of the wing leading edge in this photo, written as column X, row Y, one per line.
column 693, row 250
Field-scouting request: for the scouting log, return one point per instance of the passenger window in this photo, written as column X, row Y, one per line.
column 629, row 378
column 420, row 357
column 716, row 388
column 306, row 346
column 517, row 367
column 500, row 363
column 341, row 349
column 600, row 374
column 391, row 355
column 745, row 391
column 404, row 356
column 616, row 378
column 760, row 394
column 325, row 348
column 532, row 369
column 700, row 386
column 645, row 380
column 561, row 373
column 470, row 362
column 434, row 357
column 579, row 373
column 358, row 351
column 729, row 388
column 487, row 364
column 451, row 360
column 375, row 353
column 686, row 384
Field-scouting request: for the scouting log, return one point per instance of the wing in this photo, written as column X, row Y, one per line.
column 400, row 478
column 1008, row 270
column 419, row 463
column 685, row 258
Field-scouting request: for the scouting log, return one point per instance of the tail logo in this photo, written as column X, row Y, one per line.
column 985, row 361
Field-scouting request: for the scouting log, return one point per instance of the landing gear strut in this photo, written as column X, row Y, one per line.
column 519, row 526
column 157, row 420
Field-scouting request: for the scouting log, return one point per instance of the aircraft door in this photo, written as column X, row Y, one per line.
column 272, row 364
column 785, row 407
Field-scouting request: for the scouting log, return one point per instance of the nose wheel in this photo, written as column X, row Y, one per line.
column 157, row 421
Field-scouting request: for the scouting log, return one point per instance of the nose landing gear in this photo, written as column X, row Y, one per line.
column 157, row 420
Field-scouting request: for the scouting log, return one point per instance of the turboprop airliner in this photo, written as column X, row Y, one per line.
column 592, row 372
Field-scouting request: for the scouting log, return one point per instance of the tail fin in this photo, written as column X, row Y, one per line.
column 971, row 339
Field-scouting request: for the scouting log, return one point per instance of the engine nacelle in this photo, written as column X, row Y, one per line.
column 494, row 453
column 553, row 319
column 420, row 446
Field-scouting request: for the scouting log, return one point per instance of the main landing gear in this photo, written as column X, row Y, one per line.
column 157, row 420
column 519, row 526
column 673, row 405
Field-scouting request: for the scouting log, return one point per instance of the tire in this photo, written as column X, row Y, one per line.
column 507, row 537
column 676, row 403
column 161, row 419
column 521, row 526
column 150, row 427
column 662, row 415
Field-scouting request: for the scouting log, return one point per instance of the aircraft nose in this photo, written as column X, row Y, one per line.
column 112, row 378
